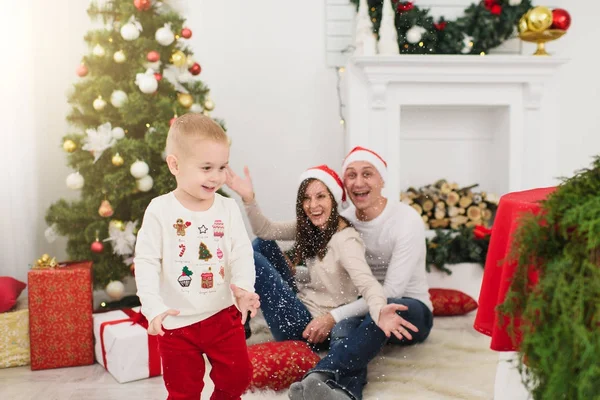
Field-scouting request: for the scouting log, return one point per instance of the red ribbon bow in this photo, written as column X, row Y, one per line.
column 136, row 318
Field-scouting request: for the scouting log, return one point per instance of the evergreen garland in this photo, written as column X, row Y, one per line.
column 485, row 24
column 561, row 313
column 456, row 246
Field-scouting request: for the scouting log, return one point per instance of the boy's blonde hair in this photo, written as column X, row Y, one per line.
column 190, row 127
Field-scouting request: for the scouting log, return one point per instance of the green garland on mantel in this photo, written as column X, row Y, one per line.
column 483, row 26
column 561, row 313
column 463, row 245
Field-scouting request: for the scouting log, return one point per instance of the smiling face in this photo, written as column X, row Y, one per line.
column 317, row 203
column 363, row 184
column 199, row 171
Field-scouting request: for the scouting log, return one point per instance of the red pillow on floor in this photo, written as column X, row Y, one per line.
column 449, row 302
column 10, row 289
column 276, row 365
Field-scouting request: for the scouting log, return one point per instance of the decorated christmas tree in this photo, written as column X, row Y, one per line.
column 138, row 76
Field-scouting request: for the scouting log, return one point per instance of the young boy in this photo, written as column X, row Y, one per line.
column 193, row 261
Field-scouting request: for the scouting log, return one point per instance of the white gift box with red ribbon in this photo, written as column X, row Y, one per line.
column 124, row 347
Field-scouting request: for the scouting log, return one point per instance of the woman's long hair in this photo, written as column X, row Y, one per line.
column 311, row 241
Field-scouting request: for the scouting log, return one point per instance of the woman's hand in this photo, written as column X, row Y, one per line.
column 242, row 186
column 318, row 329
column 390, row 322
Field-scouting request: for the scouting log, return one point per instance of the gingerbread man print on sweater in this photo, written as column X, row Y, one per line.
column 181, row 226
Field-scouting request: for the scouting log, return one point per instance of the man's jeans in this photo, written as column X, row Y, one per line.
column 356, row 341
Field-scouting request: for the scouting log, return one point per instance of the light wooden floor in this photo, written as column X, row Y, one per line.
column 79, row 383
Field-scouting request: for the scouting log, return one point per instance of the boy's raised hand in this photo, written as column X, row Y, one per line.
column 391, row 323
column 155, row 326
column 242, row 186
column 246, row 301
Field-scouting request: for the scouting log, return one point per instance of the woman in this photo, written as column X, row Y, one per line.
column 334, row 254
column 394, row 236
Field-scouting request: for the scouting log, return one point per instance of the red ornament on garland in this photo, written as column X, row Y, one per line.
column 153, row 56
column 172, row 120
column 195, row 69
column 157, row 76
column 82, row 70
column 97, row 246
column 405, row 6
column 440, row 26
column 142, row 5
column 561, row 19
column 186, row 33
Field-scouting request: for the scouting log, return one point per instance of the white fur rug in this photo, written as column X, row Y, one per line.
column 454, row 363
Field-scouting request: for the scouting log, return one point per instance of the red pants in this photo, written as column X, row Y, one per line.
column 221, row 337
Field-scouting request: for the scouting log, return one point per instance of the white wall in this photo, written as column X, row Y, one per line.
column 265, row 62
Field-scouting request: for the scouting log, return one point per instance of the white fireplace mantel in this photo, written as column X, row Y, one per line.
column 381, row 89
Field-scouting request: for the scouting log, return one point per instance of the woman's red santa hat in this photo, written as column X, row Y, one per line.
column 330, row 179
column 362, row 154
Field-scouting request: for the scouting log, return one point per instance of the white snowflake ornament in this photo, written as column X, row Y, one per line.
column 122, row 240
column 467, row 44
column 98, row 140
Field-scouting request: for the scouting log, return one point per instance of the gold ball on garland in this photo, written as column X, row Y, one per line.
column 117, row 160
column 99, row 104
column 539, row 19
column 69, row 146
column 98, row 51
column 178, row 59
column 209, row 105
column 185, row 99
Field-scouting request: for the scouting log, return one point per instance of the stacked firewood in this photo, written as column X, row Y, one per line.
column 445, row 205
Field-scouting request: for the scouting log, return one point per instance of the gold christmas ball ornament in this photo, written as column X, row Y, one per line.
column 119, row 57
column 185, row 99
column 539, row 19
column 115, row 223
column 117, row 160
column 209, row 105
column 523, row 27
column 99, row 104
column 178, row 58
column 69, row 146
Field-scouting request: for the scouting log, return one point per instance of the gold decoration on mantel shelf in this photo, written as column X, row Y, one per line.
column 541, row 38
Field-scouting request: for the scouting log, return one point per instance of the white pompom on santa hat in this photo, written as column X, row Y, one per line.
column 331, row 179
column 362, row 154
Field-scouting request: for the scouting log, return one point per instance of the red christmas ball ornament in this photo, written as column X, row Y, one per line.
column 405, row 6
column 157, row 76
column 132, row 269
column 142, row 5
column 97, row 247
column 172, row 120
column 153, row 56
column 82, row 70
column 186, row 33
column 561, row 19
column 195, row 69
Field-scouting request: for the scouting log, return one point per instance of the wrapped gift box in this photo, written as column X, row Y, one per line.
column 14, row 336
column 60, row 316
column 124, row 347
